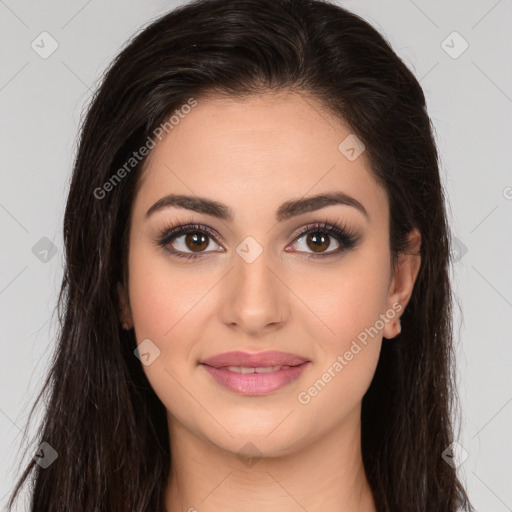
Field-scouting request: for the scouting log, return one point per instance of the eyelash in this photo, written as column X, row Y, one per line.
column 343, row 235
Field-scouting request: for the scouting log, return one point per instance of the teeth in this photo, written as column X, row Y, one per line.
column 260, row 369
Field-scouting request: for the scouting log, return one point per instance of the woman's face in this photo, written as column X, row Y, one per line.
column 255, row 284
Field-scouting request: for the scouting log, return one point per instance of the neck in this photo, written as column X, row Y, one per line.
column 325, row 475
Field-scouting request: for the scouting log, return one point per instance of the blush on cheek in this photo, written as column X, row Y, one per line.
column 161, row 299
column 355, row 319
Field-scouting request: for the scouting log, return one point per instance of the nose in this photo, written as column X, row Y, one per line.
column 255, row 299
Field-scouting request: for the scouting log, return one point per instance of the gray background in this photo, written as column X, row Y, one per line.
column 469, row 98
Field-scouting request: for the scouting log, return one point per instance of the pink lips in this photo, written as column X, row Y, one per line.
column 255, row 383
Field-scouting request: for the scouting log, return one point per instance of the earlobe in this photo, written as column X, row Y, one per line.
column 125, row 315
column 403, row 281
column 392, row 329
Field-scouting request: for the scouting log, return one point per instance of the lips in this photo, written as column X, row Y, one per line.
column 255, row 374
column 257, row 360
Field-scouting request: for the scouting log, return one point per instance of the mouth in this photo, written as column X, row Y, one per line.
column 255, row 374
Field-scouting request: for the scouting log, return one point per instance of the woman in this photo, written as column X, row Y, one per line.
column 256, row 310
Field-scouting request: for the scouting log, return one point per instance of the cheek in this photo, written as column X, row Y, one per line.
column 164, row 298
column 347, row 298
column 167, row 304
column 348, row 340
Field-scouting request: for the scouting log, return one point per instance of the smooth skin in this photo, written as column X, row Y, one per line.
column 253, row 155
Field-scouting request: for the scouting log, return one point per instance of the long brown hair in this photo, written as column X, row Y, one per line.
column 102, row 416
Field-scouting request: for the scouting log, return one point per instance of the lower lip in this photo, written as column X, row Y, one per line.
column 254, row 384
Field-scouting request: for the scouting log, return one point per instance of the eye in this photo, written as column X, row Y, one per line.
column 192, row 237
column 317, row 238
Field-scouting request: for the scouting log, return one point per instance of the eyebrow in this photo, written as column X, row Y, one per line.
column 286, row 211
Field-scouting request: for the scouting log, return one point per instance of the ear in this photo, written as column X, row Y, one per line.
column 125, row 314
column 402, row 283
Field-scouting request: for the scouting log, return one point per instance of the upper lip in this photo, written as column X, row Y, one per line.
column 254, row 360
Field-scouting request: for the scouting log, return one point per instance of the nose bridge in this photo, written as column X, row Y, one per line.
column 254, row 279
column 256, row 298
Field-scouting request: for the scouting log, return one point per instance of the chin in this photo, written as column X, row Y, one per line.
column 251, row 441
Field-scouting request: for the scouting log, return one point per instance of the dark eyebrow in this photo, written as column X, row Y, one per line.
column 284, row 212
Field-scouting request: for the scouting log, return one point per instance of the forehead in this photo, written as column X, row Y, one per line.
column 256, row 153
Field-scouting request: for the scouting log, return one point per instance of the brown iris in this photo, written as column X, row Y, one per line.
column 197, row 241
column 320, row 241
